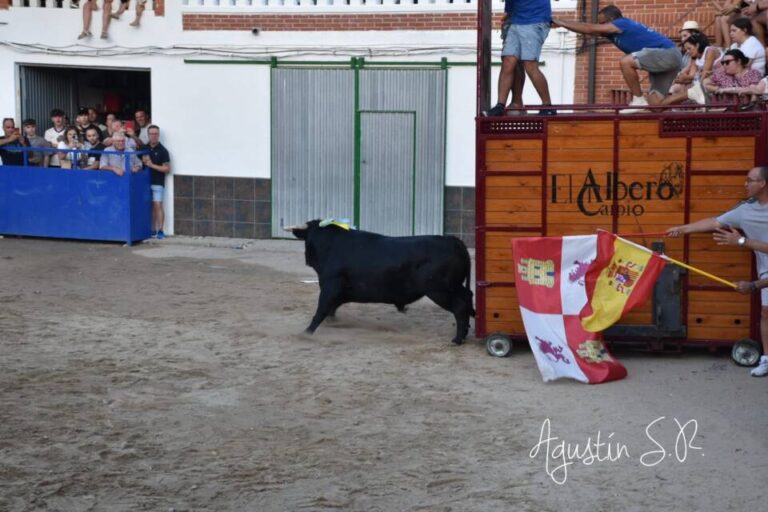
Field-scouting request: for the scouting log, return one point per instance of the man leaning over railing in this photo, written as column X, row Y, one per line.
column 115, row 158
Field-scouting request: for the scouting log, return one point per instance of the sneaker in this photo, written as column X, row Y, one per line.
column 761, row 370
column 547, row 112
column 637, row 101
column 154, row 234
column 697, row 93
column 515, row 113
column 160, row 235
column 496, row 111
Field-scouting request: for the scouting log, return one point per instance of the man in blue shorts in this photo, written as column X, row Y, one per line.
column 645, row 50
column 159, row 162
column 527, row 27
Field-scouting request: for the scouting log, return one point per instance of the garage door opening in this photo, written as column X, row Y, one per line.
column 108, row 90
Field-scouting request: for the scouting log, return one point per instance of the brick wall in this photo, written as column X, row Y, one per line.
column 665, row 16
column 331, row 22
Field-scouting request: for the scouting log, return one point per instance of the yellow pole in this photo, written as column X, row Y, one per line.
column 681, row 264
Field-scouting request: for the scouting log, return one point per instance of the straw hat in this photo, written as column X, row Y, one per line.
column 690, row 25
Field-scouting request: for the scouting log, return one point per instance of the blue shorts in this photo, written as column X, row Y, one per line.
column 157, row 193
column 525, row 41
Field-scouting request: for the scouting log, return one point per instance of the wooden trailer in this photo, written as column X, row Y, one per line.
column 576, row 172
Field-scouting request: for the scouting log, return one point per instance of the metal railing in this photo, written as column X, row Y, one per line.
column 348, row 5
column 47, row 4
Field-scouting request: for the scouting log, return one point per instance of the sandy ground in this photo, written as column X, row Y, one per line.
column 173, row 376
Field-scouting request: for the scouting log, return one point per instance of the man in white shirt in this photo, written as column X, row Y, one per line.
column 53, row 134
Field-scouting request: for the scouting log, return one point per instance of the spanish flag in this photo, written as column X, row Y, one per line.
column 621, row 278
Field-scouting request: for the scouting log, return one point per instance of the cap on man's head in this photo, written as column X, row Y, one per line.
column 57, row 112
column 690, row 25
column 82, row 112
column 29, row 122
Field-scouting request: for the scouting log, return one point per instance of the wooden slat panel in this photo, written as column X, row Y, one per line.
column 644, row 141
column 580, row 142
column 514, row 182
column 722, row 151
column 731, row 142
column 630, row 127
column 580, row 128
column 707, row 332
column 520, row 155
column 512, row 218
column 661, row 155
column 513, row 205
column 578, row 155
column 719, row 165
column 514, row 144
column 514, row 166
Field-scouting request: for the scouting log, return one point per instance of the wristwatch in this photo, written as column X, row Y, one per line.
column 753, row 286
column 741, row 241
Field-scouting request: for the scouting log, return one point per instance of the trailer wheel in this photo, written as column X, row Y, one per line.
column 498, row 345
column 746, row 352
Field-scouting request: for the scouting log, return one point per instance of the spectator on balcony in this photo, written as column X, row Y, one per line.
column 704, row 59
column 93, row 142
column 140, row 136
column 124, row 4
column 81, row 122
column 756, row 12
column 116, row 158
column 119, row 127
column 93, row 118
column 529, row 23
column 33, row 140
column 53, row 134
column 727, row 12
column 741, row 33
column 159, row 162
column 70, row 141
column 735, row 76
column 645, row 50
column 11, row 143
column 685, row 77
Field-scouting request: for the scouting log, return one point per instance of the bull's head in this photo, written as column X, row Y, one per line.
column 303, row 232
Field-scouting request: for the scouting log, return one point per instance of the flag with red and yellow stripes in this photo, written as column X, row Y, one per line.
column 620, row 278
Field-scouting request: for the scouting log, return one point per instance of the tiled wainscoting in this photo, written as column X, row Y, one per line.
column 227, row 207
column 460, row 213
column 242, row 208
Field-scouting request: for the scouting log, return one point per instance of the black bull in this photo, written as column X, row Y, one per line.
column 358, row 266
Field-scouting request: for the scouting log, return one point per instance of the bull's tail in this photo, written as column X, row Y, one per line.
column 468, row 278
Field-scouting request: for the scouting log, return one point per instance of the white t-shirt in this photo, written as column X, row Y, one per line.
column 754, row 51
column 52, row 137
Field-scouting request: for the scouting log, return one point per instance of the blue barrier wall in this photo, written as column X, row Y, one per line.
column 72, row 203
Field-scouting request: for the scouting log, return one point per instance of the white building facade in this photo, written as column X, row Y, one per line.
column 275, row 112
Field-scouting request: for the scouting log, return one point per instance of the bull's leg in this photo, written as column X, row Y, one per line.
column 328, row 302
column 456, row 303
column 401, row 308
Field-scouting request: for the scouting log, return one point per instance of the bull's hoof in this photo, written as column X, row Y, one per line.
column 457, row 341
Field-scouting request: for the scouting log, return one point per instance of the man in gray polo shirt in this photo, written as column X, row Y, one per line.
column 751, row 216
column 116, row 159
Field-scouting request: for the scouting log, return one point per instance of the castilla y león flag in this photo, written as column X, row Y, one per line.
column 550, row 281
column 621, row 278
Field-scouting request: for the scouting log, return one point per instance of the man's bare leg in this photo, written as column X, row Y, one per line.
column 105, row 18
column 539, row 81
column 139, row 12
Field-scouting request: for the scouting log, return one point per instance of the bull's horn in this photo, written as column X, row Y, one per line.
column 291, row 228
